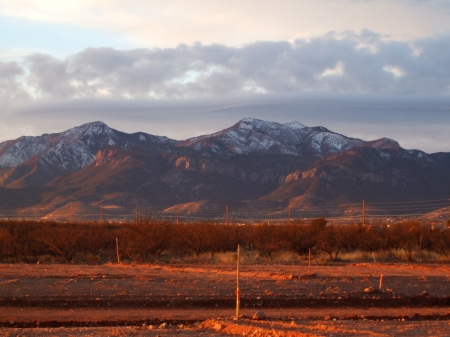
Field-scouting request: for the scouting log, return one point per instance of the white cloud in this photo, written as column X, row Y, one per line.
column 254, row 57
column 329, row 63
column 336, row 71
column 235, row 22
column 396, row 71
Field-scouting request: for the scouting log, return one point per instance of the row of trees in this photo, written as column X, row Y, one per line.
column 148, row 240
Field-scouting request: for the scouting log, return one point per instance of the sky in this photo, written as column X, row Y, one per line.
column 363, row 68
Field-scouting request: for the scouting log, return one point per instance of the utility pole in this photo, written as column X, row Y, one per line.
column 101, row 214
column 227, row 215
column 289, row 213
column 363, row 214
column 117, row 250
column 137, row 213
column 309, row 261
column 238, row 289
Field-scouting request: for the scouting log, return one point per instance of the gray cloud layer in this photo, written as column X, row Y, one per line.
column 350, row 62
column 416, row 121
column 362, row 85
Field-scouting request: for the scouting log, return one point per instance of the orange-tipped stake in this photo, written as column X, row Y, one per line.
column 238, row 291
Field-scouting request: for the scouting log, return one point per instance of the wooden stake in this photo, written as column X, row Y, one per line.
column 227, row 215
column 117, row 250
column 363, row 214
column 238, row 290
column 309, row 261
column 137, row 213
column 289, row 213
column 381, row 282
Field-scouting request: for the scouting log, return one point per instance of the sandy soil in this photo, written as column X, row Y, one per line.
column 252, row 328
column 191, row 300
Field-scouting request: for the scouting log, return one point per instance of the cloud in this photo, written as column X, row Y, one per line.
column 11, row 88
column 434, row 3
column 49, row 77
column 416, row 121
column 234, row 22
column 364, row 85
column 346, row 62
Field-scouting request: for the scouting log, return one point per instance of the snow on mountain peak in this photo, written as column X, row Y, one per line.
column 93, row 128
column 253, row 123
column 251, row 135
column 70, row 147
column 98, row 127
column 250, row 123
column 295, row 125
column 76, row 148
column 258, row 124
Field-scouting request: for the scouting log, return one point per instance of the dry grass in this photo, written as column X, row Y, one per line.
column 253, row 257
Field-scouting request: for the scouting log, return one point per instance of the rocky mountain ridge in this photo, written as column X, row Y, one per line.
column 253, row 136
column 252, row 162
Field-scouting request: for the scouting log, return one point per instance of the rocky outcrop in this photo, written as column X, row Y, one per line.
column 251, row 162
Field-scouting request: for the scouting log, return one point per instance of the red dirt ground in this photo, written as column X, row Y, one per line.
column 191, row 300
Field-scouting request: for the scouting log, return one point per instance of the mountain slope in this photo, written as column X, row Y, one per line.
column 254, row 136
column 253, row 162
column 37, row 160
column 375, row 175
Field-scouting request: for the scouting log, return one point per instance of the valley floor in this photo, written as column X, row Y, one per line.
column 192, row 300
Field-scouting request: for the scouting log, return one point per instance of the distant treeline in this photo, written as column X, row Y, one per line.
column 150, row 240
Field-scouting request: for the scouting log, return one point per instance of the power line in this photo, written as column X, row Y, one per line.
column 245, row 211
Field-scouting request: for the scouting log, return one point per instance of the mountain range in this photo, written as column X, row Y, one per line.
column 259, row 168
